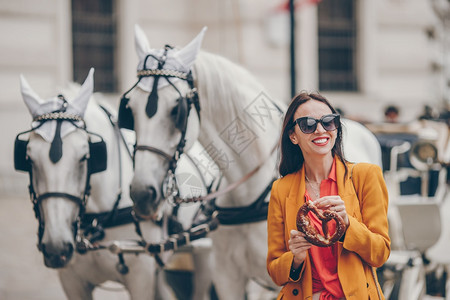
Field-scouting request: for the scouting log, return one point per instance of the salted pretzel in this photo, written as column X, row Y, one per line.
column 312, row 235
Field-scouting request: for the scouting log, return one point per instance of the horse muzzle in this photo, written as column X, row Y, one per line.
column 146, row 202
column 56, row 258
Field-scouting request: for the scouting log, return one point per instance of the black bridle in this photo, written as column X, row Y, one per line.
column 168, row 187
column 36, row 199
column 215, row 215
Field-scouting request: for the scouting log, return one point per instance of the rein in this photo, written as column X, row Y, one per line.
column 225, row 190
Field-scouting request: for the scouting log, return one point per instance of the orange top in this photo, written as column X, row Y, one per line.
column 324, row 259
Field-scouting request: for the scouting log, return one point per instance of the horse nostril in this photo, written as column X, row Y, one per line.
column 145, row 199
column 66, row 249
column 143, row 194
column 151, row 193
column 57, row 256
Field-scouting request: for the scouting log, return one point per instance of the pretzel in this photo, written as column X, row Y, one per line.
column 312, row 235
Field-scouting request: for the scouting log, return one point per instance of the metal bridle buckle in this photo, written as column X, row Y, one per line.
column 191, row 93
column 170, row 188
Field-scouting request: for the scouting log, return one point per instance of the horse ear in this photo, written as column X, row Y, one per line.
column 31, row 99
column 141, row 42
column 188, row 54
column 80, row 102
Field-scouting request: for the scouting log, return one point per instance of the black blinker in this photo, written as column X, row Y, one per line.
column 21, row 162
column 125, row 119
column 98, row 160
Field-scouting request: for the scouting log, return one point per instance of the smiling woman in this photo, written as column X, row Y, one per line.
column 293, row 156
column 315, row 173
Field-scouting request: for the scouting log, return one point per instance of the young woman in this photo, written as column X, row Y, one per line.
column 313, row 168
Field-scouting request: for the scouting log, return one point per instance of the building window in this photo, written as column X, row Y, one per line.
column 94, row 35
column 337, row 46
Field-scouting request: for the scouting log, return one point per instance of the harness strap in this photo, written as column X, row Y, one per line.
column 113, row 214
column 185, row 237
column 255, row 212
column 121, row 217
column 95, row 223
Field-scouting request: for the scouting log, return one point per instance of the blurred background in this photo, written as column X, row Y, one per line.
column 364, row 55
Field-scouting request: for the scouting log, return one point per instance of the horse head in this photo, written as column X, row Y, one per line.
column 59, row 157
column 162, row 107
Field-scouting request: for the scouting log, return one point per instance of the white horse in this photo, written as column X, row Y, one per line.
column 237, row 124
column 61, row 157
column 360, row 144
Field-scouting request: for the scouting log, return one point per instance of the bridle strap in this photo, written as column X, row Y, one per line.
column 192, row 100
column 36, row 199
column 58, row 115
column 154, row 150
column 162, row 72
column 72, row 198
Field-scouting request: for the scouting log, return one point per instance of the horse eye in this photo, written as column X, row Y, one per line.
column 85, row 157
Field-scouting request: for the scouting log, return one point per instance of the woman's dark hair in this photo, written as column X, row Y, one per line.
column 291, row 155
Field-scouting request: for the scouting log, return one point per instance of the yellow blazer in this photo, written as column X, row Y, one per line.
column 366, row 244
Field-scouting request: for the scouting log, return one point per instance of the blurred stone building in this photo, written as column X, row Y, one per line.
column 362, row 54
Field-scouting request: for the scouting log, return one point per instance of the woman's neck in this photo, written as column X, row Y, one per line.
column 318, row 169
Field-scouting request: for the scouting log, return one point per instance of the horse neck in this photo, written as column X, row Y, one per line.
column 240, row 125
column 105, row 186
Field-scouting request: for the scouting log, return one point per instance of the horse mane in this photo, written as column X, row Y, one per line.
column 227, row 92
column 220, row 79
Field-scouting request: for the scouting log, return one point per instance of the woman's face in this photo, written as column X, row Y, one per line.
column 320, row 142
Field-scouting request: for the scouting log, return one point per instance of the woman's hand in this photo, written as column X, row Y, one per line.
column 333, row 203
column 299, row 247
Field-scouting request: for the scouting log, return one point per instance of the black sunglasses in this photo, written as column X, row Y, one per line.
column 309, row 125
